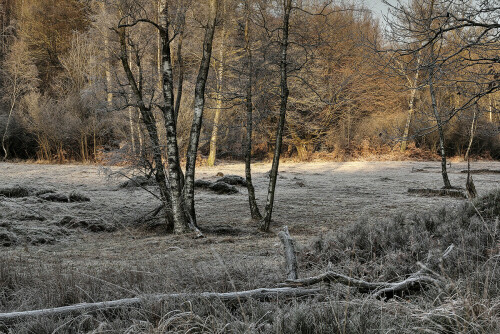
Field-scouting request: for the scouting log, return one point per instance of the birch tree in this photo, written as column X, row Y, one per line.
column 177, row 193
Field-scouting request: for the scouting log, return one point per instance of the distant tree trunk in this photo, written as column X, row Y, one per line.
column 109, row 97
column 199, row 103
column 491, row 109
column 472, row 130
column 254, row 209
column 9, row 118
column 131, row 124
column 411, row 105
column 439, row 123
column 218, row 103
column 266, row 222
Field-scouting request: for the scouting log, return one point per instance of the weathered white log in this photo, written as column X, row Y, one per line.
column 290, row 257
column 260, row 294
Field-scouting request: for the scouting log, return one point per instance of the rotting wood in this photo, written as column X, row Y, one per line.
column 259, row 294
column 438, row 192
column 290, row 257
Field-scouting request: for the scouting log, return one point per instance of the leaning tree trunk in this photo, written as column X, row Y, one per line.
column 150, row 123
column 266, row 222
column 439, row 123
column 199, row 104
column 254, row 209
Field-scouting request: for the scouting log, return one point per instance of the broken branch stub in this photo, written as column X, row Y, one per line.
column 290, row 256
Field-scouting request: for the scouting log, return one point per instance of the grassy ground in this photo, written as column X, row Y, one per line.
column 355, row 218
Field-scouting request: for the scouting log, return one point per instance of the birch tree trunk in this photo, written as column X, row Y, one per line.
column 254, row 209
column 266, row 222
column 199, row 103
column 180, row 69
column 218, row 103
column 182, row 220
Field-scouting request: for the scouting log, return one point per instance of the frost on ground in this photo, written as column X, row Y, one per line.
column 44, row 204
column 65, row 252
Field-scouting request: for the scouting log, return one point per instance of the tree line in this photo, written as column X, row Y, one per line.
column 352, row 77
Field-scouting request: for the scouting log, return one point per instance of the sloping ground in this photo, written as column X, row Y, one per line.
column 76, row 265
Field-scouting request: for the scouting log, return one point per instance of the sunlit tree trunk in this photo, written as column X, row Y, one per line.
column 266, row 222
column 218, row 103
column 199, row 104
column 411, row 105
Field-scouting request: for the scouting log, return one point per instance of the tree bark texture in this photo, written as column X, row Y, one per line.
column 182, row 220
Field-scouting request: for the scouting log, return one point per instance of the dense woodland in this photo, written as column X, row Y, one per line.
column 357, row 83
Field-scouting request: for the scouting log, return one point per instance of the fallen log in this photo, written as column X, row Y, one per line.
column 259, row 294
column 438, row 192
column 386, row 290
column 481, row 171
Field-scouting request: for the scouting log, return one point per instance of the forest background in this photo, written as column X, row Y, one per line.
column 352, row 91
